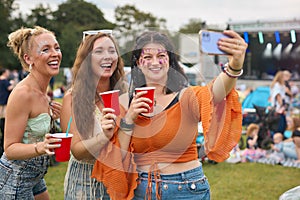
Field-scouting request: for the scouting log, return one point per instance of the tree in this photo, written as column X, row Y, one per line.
column 7, row 59
column 40, row 16
column 81, row 13
column 193, row 26
column 70, row 20
column 130, row 22
column 129, row 18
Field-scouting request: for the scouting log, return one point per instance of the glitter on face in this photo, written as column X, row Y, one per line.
column 147, row 55
column 153, row 51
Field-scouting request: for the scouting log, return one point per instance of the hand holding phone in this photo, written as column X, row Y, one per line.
column 209, row 42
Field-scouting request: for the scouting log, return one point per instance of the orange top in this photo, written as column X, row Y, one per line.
column 170, row 136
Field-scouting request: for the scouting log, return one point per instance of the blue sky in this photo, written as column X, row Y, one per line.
column 179, row 12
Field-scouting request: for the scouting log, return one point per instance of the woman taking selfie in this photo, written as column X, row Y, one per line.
column 158, row 149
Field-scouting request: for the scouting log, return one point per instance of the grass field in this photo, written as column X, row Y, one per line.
column 243, row 181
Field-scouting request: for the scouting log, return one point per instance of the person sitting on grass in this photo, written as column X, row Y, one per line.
column 252, row 151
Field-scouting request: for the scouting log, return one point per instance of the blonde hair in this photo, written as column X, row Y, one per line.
column 20, row 42
column 252, row 127
column 279, row 77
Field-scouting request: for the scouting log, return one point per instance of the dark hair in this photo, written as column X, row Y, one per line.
column 176, row 81
column 85, row 82
column 2, row 71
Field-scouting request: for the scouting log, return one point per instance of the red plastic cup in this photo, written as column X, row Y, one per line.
column 149, row 94
column 62, row 154
column 111, row 100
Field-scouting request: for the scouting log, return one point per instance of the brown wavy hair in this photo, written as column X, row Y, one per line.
column 84, row 84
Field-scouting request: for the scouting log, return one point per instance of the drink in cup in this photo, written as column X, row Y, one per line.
column 111, row 100
column 62, row 153
column 149, row 95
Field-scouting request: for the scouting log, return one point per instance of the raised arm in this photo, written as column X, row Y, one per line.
column 226, row 81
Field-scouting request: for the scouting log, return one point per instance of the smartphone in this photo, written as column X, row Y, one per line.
column 208, row 42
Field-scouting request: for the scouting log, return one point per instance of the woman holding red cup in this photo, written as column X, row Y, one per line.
column 97, row 68
column 158, row 156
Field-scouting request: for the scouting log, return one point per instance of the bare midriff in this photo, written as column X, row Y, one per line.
column 171, row 168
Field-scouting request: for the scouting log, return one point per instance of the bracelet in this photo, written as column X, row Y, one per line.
column 35, row 148
column 224, row 69
column 235, row 70
column 126, row 127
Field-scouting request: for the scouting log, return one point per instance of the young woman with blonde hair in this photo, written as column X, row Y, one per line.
column 27, row 142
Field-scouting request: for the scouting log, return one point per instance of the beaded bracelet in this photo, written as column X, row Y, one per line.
column 225, row 70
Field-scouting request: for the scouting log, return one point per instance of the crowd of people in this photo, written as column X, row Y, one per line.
column 273, row 138
column 134, row 154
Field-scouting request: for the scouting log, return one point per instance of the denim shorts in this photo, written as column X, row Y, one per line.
column 22, row 179
column 78, row 183
column 191, row 184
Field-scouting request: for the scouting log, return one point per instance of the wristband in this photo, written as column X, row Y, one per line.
column 124, row 126
column 225, row 70
column 235, row 70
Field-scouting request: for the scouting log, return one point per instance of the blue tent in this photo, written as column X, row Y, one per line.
column 258, row 97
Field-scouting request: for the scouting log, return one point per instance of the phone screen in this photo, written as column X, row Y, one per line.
column 208, row 42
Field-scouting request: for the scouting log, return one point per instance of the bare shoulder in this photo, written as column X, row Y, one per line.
column 22, row 94
column 21, row 100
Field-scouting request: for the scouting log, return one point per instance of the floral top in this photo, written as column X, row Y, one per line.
column 37, row 128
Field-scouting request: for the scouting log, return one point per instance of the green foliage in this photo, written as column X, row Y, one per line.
column 69, row 42
column 71, row 18
column 40, row 16
column 193, row 26
column 81, row 14
column 6, row 9
column 129, row 18
column 68, row 21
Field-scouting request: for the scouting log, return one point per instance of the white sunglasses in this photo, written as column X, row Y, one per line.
column 94, row 32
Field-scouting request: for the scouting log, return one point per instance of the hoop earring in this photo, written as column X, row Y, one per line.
column 30, row 67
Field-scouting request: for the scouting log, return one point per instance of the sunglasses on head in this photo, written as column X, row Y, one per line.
column 94, row 32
